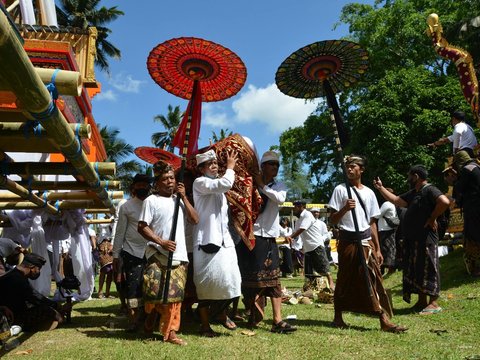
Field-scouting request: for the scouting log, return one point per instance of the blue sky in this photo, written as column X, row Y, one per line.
column 262, row 33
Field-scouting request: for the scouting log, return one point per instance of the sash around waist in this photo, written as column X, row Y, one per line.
column 353, row 236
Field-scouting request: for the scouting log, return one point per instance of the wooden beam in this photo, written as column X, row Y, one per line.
column 99, row 221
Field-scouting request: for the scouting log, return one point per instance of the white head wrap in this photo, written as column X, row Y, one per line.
column 206, row 156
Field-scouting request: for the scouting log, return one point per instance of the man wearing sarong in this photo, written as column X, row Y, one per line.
column 31, row 310
column 386, row 234
column 424, row 203
column 352, row 292
column 129, row 247
column 260, row 266
column 155, row 225
column 215, row 268
column 467, row 194
column 313, row 232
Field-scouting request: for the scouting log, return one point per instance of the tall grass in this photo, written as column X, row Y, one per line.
column 96, row 331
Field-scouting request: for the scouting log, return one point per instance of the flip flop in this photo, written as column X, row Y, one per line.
column 177, row 341
column 229, row 324
column 427, row 311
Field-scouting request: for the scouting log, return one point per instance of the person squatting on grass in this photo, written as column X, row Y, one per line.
column 351, row 291
column 424, row 203
column 155, row 224
column 215, row 268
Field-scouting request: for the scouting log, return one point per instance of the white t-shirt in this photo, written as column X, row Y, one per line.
column 386, row 210
column 284, row 232
column 339, row 198
column 267, row 224
column 157, row 212
column 463, row 136
column 315, row 231
column 127, row 237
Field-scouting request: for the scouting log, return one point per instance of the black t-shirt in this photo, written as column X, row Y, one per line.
column 420, row 207
column 16, row 292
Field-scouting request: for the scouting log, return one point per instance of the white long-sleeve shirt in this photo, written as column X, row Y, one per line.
column 267, row 224
column 127, row 237
column 212, row 208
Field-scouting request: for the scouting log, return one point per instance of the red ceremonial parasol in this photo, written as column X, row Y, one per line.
column 198, row 70
column 323, row 69
column 153, row 154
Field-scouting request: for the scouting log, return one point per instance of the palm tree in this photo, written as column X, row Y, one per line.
column 118, row 150
column 223, row 134
column 163, row 139
column 85, row 13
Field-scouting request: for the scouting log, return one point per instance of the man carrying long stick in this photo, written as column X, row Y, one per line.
column 351, row 291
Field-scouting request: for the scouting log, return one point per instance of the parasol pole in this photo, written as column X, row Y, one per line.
column 173, row 231
column 335, row 119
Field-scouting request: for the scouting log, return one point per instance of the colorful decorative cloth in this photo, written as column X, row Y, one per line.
column 154, row 281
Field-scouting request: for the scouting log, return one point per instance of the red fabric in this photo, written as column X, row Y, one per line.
column 152, row 155
column 186, row 138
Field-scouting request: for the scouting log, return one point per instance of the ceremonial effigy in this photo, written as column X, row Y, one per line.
column 462, row 60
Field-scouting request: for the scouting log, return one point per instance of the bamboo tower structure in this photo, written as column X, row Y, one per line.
column 52, row 156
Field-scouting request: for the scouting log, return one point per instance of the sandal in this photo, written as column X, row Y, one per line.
column 229, row 324
column 176, row 341
column 283, row 327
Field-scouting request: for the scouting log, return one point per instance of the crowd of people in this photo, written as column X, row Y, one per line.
column 173, row 246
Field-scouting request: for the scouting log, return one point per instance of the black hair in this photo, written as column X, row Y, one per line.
column 419, row 170
column 459, row 115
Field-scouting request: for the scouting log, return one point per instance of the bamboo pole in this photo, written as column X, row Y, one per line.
column 18, row 71
column 35, row 168
column 99, row 221
column 67, row 82
column 96, row 211
column 60, row 205
column 80, row 195
column 20, row 191
column 18, row 129
column 68, row 185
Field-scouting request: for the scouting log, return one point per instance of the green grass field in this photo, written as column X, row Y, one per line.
column 96, row 332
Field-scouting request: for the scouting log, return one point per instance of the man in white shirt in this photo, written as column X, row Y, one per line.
column 386, row 234
column 352, row 292
column 129, row 247
column 215, row 268
column 260, row 267
column 313, row 233
column 462, row 138
column 155, row 224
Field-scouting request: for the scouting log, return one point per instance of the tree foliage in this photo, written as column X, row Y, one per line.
column 224, row 133
column 403, row 102
column 170, row 123
column 118, row 152
column 86, row 13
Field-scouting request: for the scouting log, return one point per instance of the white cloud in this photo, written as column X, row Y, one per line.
column 214, row 115
column 126, row 83
column 107, row 95
column 271, row 107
